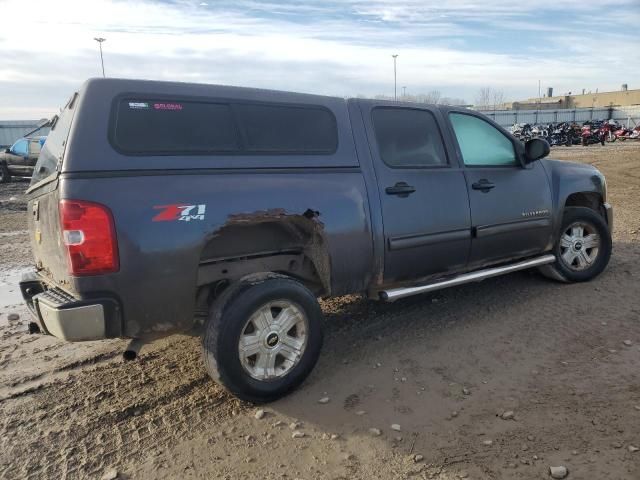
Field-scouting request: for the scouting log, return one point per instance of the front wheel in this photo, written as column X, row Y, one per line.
column 583, row 248
column 263, row 337
column 5, row 176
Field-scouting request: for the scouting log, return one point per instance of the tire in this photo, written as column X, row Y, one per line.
column 231, row 318
column 5, row 176
column 579, row 269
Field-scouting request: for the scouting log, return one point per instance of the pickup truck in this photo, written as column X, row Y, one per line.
column 226, row 212
column 20, row 159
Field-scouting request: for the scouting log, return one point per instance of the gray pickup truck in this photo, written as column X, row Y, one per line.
column 159, row 208
column 19, row 159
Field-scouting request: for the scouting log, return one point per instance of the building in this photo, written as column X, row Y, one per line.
column 12, row 130
column 621, row 98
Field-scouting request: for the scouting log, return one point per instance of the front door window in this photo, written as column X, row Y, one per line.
column 481, row 143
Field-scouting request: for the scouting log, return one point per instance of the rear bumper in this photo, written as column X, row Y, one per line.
column 60, row 314
column 608, row 212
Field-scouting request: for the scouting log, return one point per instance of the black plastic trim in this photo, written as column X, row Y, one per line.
column 488, row 230
column 420, row 239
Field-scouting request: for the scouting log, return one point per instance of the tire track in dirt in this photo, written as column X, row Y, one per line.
column 112, row 410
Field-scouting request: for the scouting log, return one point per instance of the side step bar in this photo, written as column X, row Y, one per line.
column 394, row 294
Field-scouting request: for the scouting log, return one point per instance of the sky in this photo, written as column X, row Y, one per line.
column 331, row 47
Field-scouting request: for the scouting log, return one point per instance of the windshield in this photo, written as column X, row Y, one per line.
column 21, row 147
column 53, row 149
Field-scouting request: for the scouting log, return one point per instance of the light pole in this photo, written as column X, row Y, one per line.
column 404, row 92
column 395, row 78
column 100, row 40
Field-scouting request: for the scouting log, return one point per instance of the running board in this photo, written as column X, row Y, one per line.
column 394, row 294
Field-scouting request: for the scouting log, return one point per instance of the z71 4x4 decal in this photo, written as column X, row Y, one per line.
column 178, row 211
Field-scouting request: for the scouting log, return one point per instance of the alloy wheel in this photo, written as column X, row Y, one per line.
column 273, row 340
column 579, row 246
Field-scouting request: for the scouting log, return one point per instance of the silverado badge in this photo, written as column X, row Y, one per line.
column 536, row 213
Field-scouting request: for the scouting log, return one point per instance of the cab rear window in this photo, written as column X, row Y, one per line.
column 168, row 127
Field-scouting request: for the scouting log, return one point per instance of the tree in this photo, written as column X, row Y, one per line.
column 452, row 101
column 433, row 97
column 498, row 99
column 483, row 98
column 489, row 98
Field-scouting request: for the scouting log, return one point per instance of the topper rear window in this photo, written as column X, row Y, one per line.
column 163, row 127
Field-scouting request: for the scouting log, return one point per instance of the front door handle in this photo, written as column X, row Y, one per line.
column 483, row 185
column 402, row 189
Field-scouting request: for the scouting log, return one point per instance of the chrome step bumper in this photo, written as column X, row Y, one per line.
column 58, row 313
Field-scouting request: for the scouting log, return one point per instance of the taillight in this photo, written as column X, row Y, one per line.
column 89, row 235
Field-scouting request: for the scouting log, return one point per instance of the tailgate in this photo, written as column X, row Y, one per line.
column 45, row 236
column 44, row 220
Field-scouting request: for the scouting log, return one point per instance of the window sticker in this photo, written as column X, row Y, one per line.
column 167, row 106
column 138, row 105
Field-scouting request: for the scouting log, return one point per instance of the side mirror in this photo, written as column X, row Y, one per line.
column 535, row 149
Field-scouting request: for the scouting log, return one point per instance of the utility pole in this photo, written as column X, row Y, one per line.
column 100, row 40
column 539, row 93
column 404, row 92
column 539, row 101
column 395, row 78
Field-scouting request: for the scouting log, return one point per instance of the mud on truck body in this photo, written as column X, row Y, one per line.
column 160, row 208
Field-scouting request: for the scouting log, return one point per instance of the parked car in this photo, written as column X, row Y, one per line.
column 228, row 211
column 20, row 159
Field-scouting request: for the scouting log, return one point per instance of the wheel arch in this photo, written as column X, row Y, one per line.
column 291, row 245
column 592, row 200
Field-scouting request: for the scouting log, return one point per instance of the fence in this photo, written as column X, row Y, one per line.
column 625, row 115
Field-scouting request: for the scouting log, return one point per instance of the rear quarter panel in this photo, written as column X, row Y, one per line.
column 159, row 260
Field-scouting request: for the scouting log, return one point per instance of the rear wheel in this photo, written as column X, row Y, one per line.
column 263, row 337
column 583, row 248
column 5, row 176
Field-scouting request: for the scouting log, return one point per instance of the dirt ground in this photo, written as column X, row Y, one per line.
column 565, row 359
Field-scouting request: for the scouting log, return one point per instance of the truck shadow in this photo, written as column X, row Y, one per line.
column 421, row 361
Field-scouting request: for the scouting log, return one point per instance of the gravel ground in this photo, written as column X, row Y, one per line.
column 497, row 380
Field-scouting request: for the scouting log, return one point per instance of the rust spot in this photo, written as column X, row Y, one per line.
column 257, row 216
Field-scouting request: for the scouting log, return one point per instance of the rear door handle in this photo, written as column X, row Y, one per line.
column 483, row 185
column 402, row 189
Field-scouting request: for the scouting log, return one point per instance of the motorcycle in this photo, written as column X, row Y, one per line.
column 628, row 134
column 561, row 134
column 591, row 134
column 522, row 131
